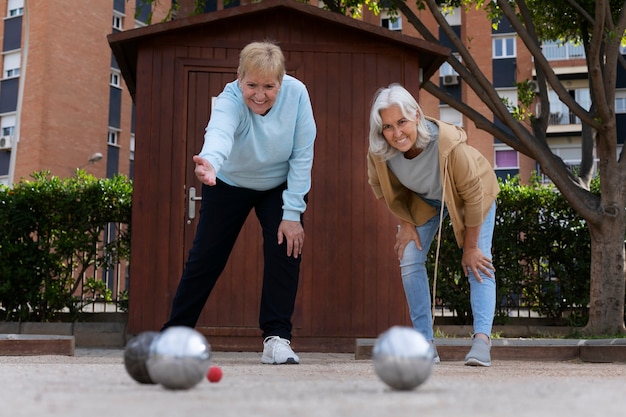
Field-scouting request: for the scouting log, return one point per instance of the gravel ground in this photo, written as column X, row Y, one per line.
column 94, row 383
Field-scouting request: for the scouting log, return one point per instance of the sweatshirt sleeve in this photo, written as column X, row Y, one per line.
column 300, row 161
column 219, row 134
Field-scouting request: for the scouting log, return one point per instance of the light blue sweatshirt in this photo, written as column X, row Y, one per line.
column 261, row 152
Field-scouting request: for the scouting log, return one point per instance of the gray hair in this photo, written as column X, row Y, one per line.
column 384, row 98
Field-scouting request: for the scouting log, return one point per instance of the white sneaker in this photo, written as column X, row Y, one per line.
column 436, row 358
column 276, row 351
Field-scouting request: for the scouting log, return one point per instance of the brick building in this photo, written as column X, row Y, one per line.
column 63, row 104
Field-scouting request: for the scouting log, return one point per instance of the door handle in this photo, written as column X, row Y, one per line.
column 191, row 214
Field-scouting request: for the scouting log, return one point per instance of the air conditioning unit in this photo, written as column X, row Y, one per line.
column 534, row 86
column 450, row 80
column 6, row 142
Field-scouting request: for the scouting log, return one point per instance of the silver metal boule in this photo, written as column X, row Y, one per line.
column 136, row 355
column 179, row 358
column 402, row 358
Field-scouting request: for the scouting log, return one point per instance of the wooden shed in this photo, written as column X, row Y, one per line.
column 350, row 285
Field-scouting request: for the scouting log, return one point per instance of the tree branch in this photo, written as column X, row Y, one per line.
column 541, row 62
column 469, row 70
column 481, row 121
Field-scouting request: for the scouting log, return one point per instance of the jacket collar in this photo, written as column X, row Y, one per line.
column 449, row 136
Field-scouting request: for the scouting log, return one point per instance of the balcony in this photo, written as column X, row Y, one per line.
column 565, row 122
column 555, row 51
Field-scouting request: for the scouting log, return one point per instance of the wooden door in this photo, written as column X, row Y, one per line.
column 233, row 306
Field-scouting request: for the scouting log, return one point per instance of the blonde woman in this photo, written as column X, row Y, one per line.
column 257, row 154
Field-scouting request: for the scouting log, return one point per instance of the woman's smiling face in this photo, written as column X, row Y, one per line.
column 399, row 131
column 259, row 91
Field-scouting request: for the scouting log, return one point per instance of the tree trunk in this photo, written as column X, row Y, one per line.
column 606, row 307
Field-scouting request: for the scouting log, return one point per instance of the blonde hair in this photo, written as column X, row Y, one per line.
column 265, row 58
column 395, row 95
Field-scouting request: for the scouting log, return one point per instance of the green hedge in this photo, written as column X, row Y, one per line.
column 541, row 252
column 52, row 232
column 51, row 227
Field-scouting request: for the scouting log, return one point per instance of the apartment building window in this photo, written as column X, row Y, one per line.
column 451, row 115
column 11, row 65
column 118, row 21
column 446, row 68
column 115, row 79
column 560, row 114
column 620, row 101
column 7, row 125
column 14, row 72
column 15, row 8
column 554, row 50
column 503, row 47
column 452, row 15
column 391, row 22
column 506, row 159
column 113, row 137
column 570, row 155
column 506, row 162
column 509, row 97
column 8, row 130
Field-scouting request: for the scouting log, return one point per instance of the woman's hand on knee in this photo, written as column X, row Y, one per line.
column 293, row 232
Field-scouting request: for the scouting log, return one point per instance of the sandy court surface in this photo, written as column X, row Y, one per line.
column 94, row 383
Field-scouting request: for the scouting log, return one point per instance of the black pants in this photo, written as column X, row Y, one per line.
column 223, row 212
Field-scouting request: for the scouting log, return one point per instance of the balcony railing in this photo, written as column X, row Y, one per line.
column 554, row 51
column 567, row 118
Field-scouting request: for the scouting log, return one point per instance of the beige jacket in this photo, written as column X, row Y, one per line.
column 469, row 183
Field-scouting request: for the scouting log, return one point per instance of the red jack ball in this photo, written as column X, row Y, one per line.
column 214, row 374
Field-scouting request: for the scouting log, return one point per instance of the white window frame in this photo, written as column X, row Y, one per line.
column 447, row 69
column 132, row 146
column 511, row 95
column 396, row 25
column 506, row 53
column 12, row 73
column 11, row 64
column 450, row 115
column 116, row 78
column 504, row 148
column 113, row 137
column 453, row 17
column 620, row 101
column 7, row 125
column 560, row 114
column 15, row 8
column 118, row 20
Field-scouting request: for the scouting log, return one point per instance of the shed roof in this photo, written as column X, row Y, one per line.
column 125, row 44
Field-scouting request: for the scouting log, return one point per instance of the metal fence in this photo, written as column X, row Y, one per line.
column 103, row 288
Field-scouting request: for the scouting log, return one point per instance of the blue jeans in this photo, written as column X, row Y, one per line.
column 417, row 289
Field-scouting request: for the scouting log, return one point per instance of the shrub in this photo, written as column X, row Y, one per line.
column 541, row 252
column 53, row 233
